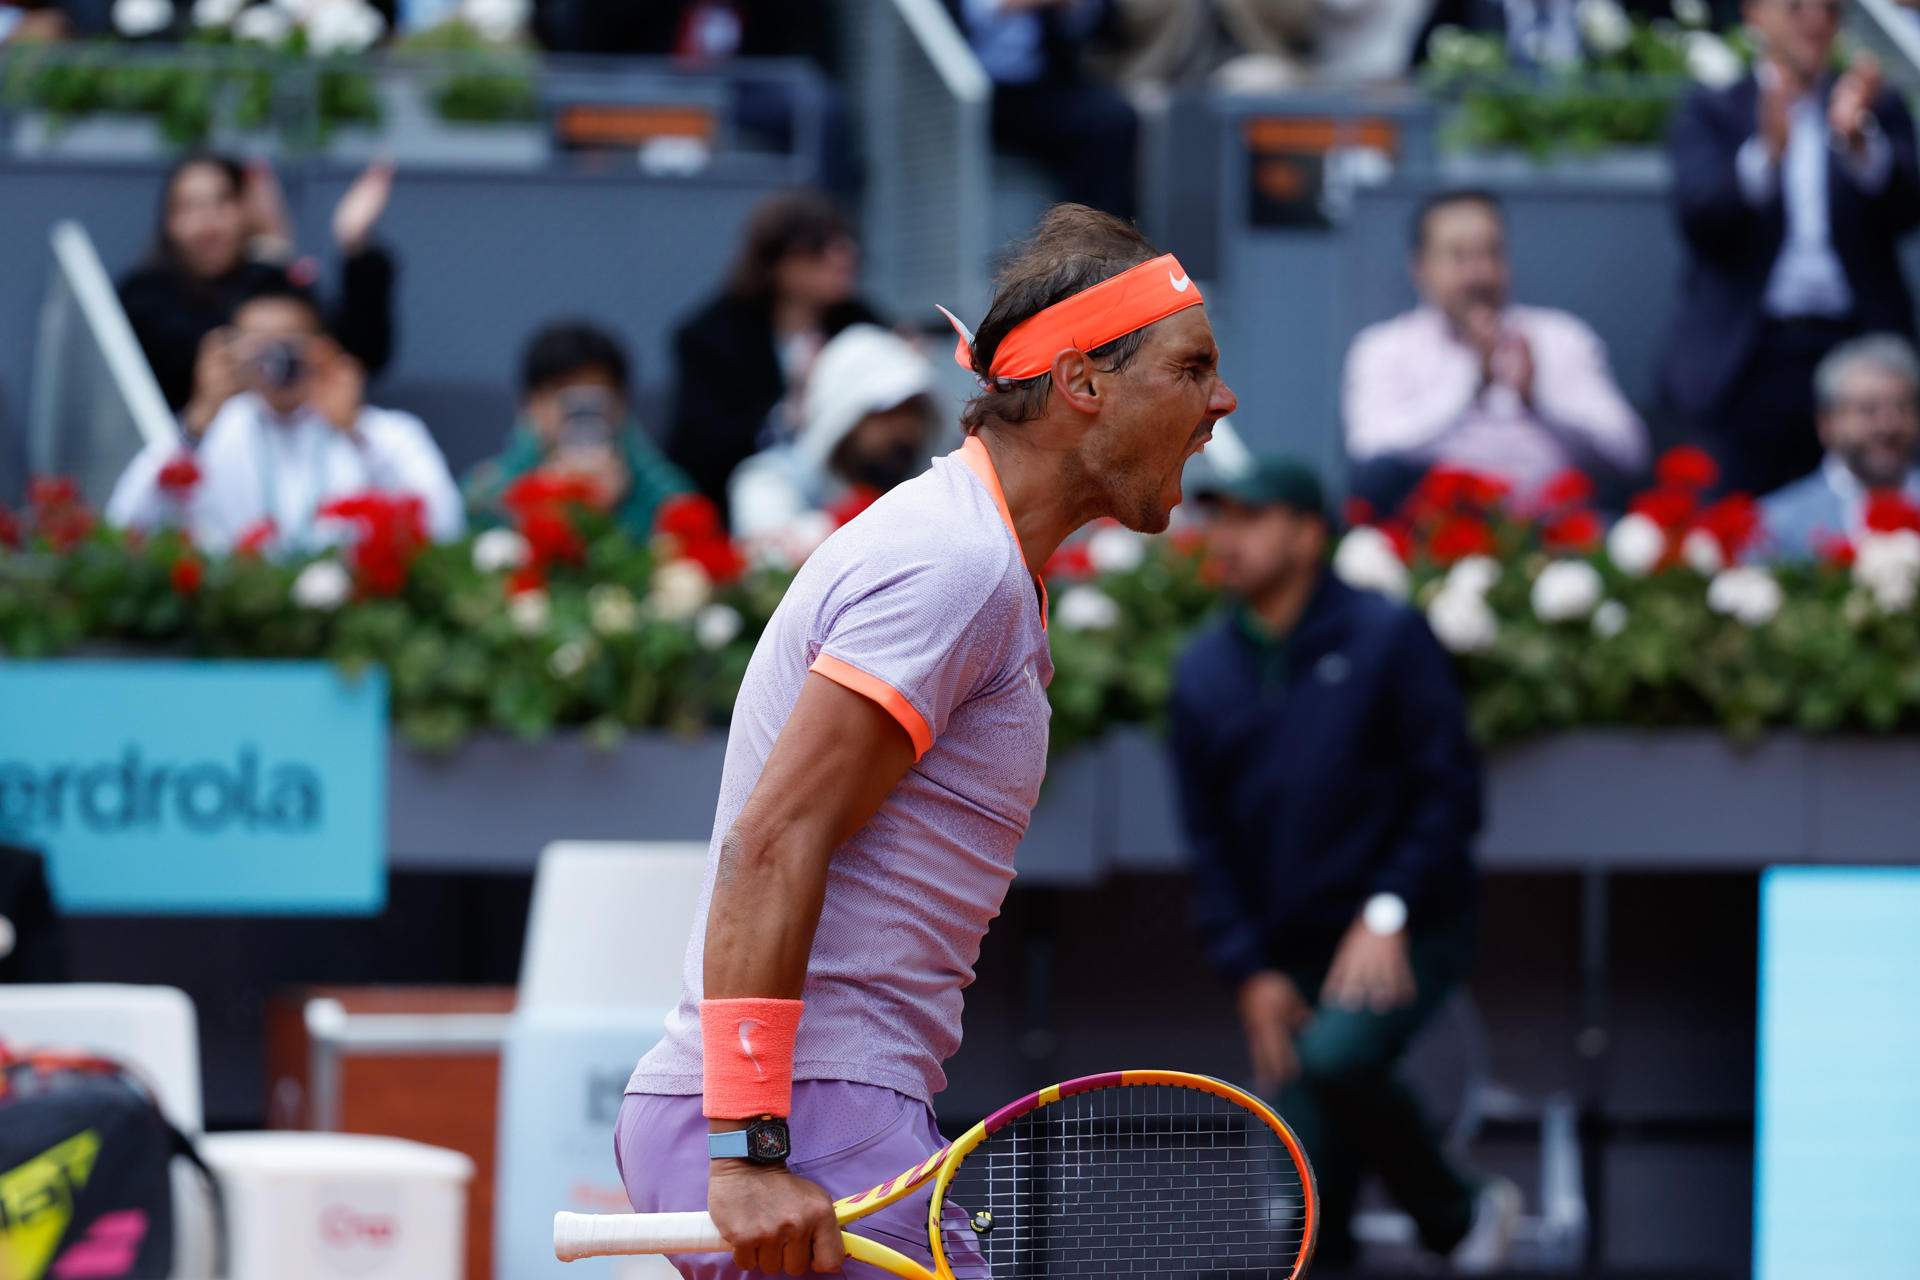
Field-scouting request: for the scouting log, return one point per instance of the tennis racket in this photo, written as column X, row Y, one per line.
column 1134, row 1173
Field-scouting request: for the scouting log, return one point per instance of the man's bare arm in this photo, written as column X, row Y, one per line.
column 836, row 760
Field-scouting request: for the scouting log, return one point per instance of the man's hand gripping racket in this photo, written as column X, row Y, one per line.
column 1134, row 1173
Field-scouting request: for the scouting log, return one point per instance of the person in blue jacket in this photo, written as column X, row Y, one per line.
column 1330, row 794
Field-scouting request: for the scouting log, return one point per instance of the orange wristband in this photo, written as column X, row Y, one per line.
column 747, row 1054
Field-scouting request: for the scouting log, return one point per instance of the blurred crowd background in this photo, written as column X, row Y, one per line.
column 1554, row 585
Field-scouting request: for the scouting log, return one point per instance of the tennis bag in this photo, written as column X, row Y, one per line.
column 85, row 1159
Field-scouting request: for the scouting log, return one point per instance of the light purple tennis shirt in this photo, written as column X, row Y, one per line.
column 924, row 604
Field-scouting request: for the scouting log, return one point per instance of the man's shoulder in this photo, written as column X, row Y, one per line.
column 396, row 423
column 1810, row 495
column 939, row 527
column 1554, row 322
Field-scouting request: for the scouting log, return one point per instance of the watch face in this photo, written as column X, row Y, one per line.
column 767, row 1142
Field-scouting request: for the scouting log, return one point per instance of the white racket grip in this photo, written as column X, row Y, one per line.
column 600, row 1235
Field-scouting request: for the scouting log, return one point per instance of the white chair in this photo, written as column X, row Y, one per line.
column 605, row 942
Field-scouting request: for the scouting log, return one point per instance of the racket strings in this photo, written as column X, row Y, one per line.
column 1132, row 1181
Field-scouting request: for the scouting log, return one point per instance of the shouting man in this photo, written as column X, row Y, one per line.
column 886, row 751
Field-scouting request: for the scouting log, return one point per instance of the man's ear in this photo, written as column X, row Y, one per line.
column 1073, row 380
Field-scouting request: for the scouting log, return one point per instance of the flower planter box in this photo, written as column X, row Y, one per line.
column 41, row 135
column 1620, row 800
column 415, row 135
column 1626, row 166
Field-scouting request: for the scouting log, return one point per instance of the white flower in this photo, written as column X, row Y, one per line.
column 1888, row 566
column 1085, row 608
column 1635, row 545
column 498, row 550
column 1610, row 619
column 529, row 611
column 1604, row 25
column 1692, row 13
column 570, row 659
column 1116, row 550
column 1474, row 573
column 716, row 626
column 496, row 20
column 136, row 18
column 343, row 26
column 1711, row 61
column 1366, row 559
column 612, row 610
column 1701, row 551
column 215, row 13
column 1462, row 620
column 681, row 589
column 1748, row 593
column 1566, row 590
column 294, row 10
column 324, row 584
column 262, row 24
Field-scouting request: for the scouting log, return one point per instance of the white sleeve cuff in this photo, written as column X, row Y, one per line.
column 1755, row 170
column 1872, row 165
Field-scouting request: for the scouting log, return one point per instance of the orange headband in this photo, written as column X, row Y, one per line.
column 1114, row 308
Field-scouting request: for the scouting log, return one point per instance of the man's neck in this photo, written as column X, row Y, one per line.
column 1279, row 607
column 1047, row 502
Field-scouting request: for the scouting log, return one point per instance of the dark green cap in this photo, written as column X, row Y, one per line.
column 1273, row 481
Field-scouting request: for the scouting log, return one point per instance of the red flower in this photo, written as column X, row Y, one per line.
column 1888, row 511
column 186, row 574
column 1687, row 467
column 528, row 577
column 1187, row 540
column 1401, row 537
column 551, row 537
column 688, row 516
column 255, row 538
column 1733, row 521
column 550, row 489
column 1356, row 512
column 1460, row 537
column 1447, row 489
column 391, row 532
column 718, row 556
column 65, row 527
column 857, row 499
column 1072, row 562
column 1574, row 531
column 1669, row 508
column 52, row 491
column 180, row 475
column 1568, row 488
column 1834, row 550
column 9, row 528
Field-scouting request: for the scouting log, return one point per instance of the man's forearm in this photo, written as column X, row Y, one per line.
column 765, row 909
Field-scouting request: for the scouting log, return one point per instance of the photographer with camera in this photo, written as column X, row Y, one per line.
column 575, row 420
column 292, row 433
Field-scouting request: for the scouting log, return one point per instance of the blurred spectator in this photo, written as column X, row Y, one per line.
column 868, row 424
column 30, row 933
column 791, row 289
column 292, row 434
column 1330, row 795
column 1286, row 43
column 223, row 235
column 1868, row 393
column 1471, row 379
column 27, row 21
column 1043, row 104
column 575, row 419
column 716, row 35
column 1793, row 189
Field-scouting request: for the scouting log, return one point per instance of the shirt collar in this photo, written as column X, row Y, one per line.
column 979, row 461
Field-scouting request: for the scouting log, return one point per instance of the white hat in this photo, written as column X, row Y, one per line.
column 864, row 370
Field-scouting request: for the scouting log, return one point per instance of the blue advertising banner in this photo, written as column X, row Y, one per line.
column 198, row 787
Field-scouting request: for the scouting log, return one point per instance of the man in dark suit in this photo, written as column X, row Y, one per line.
column 1793, row 188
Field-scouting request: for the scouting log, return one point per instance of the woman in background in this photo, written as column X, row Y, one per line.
column 222, row 237
column 791, row 289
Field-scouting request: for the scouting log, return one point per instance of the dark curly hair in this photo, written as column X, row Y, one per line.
column 1072, row 249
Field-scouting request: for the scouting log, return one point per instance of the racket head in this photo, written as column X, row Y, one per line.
column 1140, row 1172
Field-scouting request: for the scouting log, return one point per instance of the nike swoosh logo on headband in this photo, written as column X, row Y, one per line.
column 1179, row 285
column 746, row 1045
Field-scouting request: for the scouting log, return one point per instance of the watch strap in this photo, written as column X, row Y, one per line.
column 731, row 1145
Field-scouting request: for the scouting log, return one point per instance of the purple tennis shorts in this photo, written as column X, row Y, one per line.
column 846, row 1137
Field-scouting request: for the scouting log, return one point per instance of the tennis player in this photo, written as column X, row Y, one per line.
column 885, row 754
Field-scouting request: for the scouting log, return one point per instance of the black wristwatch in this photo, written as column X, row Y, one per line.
column 764, row 1141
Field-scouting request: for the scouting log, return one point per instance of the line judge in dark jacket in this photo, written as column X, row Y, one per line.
column 1330, row 795
column 1793, row 188
column 790, row 290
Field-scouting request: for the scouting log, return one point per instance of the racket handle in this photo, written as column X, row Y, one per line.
column 599, row 1235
